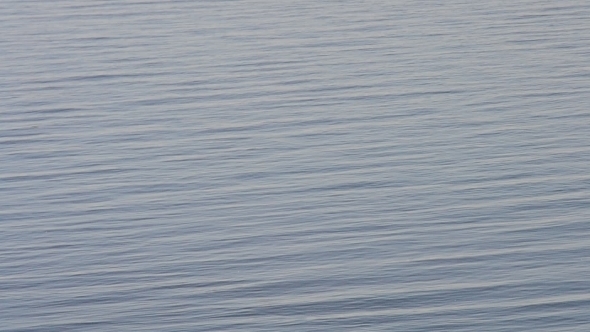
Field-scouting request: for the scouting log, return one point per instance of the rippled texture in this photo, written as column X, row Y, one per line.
column 294, row 166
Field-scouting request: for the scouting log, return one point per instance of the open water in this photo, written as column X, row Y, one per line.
column 298, row 166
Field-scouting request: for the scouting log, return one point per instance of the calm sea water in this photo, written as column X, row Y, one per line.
column 295, row 166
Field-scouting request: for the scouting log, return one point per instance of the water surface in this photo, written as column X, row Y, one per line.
column 271, row 166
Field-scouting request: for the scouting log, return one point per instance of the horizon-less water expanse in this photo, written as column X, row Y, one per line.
column 295, row 166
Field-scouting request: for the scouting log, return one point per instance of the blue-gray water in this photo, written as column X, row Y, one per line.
column 295, row 166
